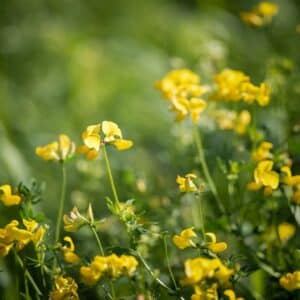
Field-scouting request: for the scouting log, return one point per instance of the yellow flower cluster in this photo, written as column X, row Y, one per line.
column 6, row 196
column 112, row 265
column 65, row 288
column 290, row 281
column 183, row 90
column 57, row 151
column 12, row 235
column 261, row 14
column 231, row 120
column 184, row 240
column 202, row 271
column 92, row 139
column 232, row 85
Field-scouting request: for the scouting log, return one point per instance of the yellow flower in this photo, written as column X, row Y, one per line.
column 69, row 255
column 92, row 142
column 261, row 14
column 262, row 152
column 7, row 197
column 56, row 151
column 296, row 195
column 207, row 293
column 73, row 221
column 231, row 295
column 182, row 88
column 113, row 135
column 286, row 231
column 288, row 178
column 37, row 230
column 64, row 288
column 233, row 85
column 290, row 281
column 184, row 239
column 213, row 245
column 112, row 265
column 265, row 176
column 198, row 269
column 186, row 183
column 242, row 122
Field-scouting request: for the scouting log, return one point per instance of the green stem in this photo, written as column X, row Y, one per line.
column 168, row 263
column 101, row 250
column 111, row 179
column 199, row 202
column 97, row 238
column 61, row 203
column 204, row 166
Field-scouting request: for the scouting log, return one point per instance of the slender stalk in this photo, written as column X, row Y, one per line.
column 199, row 203
column 61, row 203
column 111, row 179
column 168, row 263
column 97, row 238
column 205, row 169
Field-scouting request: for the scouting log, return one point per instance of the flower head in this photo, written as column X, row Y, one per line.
column 184, row 239
column 262, row 152
column 68, row 251
column 57, row 151
column 213, row 245
column 290, row 281
column 64, row 288
column 186, row 183
column 73, row 221
column 7, row 197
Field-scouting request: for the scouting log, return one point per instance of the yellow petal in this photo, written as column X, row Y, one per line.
column 122, row 144
column 111, row 131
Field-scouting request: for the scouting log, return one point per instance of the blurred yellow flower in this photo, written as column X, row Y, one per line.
column 7, row 197
column 296, row 195
column 261, row 14
column 184, row 239
column 198, row 269
column 288, row 178
column 207, row 293
column 111, row 265
column 231, row 295
column 68, row 251
column 213, row 245
column 290, row 281
column 262, row 152
column 57, row 151
column 64, row 288
column 286, row 231
column 182, row 88
column 233, row 85
column 186, row 183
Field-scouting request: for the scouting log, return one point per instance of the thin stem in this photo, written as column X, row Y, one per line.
column 61, row 203
column 199, row 203
column 205, row 169
column 168, row 263
column 97, row 238
column 111, row 179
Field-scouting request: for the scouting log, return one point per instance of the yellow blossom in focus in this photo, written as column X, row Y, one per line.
column 7, row 197
column 186, row 183
column 73, row 221
column 290, row 281
column 262, row 152
column 286, row 231
column 38, row 231
column 184, row 239
column 64, row 288
column 213, row 245
column 57, row 151
column 113, row 136
column 68, row 251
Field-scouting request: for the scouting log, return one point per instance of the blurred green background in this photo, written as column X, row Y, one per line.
column 67, row 64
